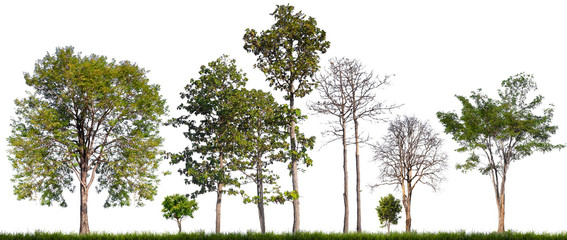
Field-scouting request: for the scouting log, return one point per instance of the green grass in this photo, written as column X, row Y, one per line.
column 286, row 236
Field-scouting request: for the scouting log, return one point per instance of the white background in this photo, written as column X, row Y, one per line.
column 436, row 49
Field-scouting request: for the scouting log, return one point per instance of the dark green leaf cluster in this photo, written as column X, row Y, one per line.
column 388, row 210
column 86, row 116
column 288, row 51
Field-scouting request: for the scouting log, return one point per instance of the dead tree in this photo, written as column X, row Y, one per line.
column 334, row 92
column 409, row 154
column 362, row 86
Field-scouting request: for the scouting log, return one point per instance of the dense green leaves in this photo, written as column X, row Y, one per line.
column 212, row 127
column 86, row 116
column 508, row 127
column 388, row 210
column 178, row 207
column 288, row 51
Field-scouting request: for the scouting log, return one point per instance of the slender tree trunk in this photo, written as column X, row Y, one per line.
column 260, row 192
column 84, row 224
column 219, row 199
column 358, row 207
column 345, row 225
column 388, row 226
column 294, row 181
column 501, row 202
column 179, row 224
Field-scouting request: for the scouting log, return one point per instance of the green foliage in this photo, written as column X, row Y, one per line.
column 288, row 51
column 508, row 127
column 178, row 207
column 212, row 126
column 262, row 123
column 388, row 210
column 87, row 116
column 288, row 236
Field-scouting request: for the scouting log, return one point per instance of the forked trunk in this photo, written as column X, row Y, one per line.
column 179, row 224
column 501, row 212
column 345, row 225
column 294, row 181
column 358, row 207
column 501, row 199
column 501, row 203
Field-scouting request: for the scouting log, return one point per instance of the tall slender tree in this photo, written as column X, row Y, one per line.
column 87, row 116
column 504, row 130
column 364, row 105
column 288, row 54
column 212, row 129
column 334, row 93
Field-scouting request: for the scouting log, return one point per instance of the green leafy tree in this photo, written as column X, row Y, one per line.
column 503, row 130
column 288, row 54
column 212, row 128
column 86, row 117
column 178, row 207
column 388, row 211
column 263, row 123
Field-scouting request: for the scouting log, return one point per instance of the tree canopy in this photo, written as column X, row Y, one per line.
column 87, row 116
column 504, row 130
column 178, row 207
column 388, row 210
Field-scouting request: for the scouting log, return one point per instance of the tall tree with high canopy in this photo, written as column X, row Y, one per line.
column 334, row 91
column 212, row 128
column 504, row 130
column 409, row 154
column 87, row 116
column 288, row 54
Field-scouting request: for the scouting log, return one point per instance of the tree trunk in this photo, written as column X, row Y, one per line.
column 260, row 192
column 407, row 208
column 388, row 226
column 358, row 207
column 501, row 201
column 345, row 225
column 218, row 208
column 84, row 219
column 219, row 199
column 179, row 224
column 294, row 181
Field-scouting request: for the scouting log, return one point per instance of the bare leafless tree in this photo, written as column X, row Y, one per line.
column 409, row 154
column 364, row 105
column 334, row 91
